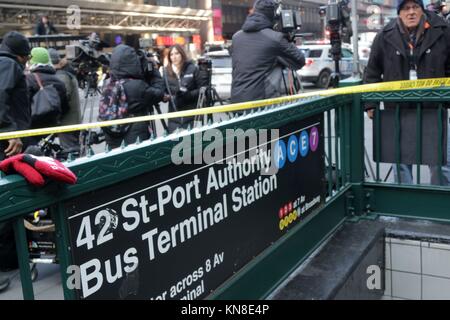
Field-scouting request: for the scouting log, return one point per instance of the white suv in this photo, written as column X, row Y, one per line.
column 319, row 64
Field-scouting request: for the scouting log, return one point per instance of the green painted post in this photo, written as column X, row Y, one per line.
column 357, row 141
column 357, row 153
column 346, row 128
column 62, row 247
column 24, row 259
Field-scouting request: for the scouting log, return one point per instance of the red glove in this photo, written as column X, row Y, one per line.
column 15, row 164
column 50, row 168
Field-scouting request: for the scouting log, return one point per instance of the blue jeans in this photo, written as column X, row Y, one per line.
column 406, row 176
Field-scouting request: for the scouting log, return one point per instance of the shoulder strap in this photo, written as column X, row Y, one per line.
column 38, row 80
column 168, row 88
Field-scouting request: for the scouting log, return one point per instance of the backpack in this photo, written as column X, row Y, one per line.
column 46, row 103
column 113, row 106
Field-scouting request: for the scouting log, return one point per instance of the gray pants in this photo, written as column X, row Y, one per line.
column 406, row 175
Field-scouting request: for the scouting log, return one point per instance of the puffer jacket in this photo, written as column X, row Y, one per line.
column 256, row 52
column 192, row 80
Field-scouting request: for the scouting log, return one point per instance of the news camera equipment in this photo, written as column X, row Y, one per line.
column 88, row 59
column 340, row 28
column 287, row 21
column 208, row 95
column 46, row 147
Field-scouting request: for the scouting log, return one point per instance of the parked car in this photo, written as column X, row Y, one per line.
column 221, row 72
column 320, row 64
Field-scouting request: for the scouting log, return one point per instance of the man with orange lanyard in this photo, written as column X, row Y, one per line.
column 416, row 45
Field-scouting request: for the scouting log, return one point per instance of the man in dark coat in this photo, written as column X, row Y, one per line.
column 141, row 95
column 14, row 115
column 44, row 27
column 256, row 52
column 416, row 45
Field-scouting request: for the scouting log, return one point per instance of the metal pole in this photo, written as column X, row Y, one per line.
column 355, row 38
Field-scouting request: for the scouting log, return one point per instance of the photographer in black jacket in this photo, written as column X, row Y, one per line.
column 256, row 52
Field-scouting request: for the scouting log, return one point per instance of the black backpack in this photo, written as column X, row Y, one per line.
column 46, row 103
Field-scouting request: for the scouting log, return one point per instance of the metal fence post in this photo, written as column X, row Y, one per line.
column 356, row 153
column 62, row 247
column 23, row 256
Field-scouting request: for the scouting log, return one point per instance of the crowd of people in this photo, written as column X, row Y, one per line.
column 131, row 86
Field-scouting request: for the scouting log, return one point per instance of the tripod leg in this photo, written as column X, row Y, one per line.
column 216, row 94
column 163, row 122
column 86, row 96
column 388, row 174
column 369, row 164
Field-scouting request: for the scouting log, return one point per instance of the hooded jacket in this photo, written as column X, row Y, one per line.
column 256, row 52
column 15, row 112
column 125, row 64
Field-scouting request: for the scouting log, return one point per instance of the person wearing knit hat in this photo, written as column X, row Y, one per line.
column 43, row 73
column 54, row 56
column 16, row 44
column 39, row 56
column 401, row 3
column 414, row 46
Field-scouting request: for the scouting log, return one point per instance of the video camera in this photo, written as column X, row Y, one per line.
column 204, row 64
column 287, row 21
column 339, row 25
column 149, row 60
column 87, row 58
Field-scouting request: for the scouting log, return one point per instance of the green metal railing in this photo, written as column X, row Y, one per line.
column 349, row 196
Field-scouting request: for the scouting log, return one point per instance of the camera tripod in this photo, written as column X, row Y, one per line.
column 208, row 97
column 91, row 93
column 152, row 124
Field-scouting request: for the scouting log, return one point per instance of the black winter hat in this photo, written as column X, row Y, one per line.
column 400, row 4
column 54, row 56
column 16, row 43
column 266, row 7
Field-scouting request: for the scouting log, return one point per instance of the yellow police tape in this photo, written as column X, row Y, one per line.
column 374, row 87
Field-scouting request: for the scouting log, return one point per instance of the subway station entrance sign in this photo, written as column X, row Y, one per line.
column 181, row 231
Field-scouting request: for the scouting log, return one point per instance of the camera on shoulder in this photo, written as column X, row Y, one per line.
column 287, row 21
